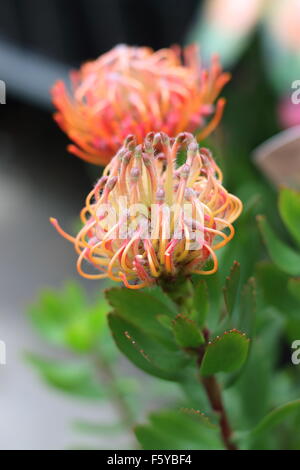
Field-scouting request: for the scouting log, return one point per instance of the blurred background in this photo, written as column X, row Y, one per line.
column 39, row 42
column 259, row 42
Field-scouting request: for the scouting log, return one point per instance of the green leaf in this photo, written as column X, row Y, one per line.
column 142, row 310
column 254, row 384
column 178, row 430
column 162, row 297
column 186, row 332
column 54, row 310
column 294, row 288
column 83, row 333
column 284, row 257
column 225, row 353
column 72, row 378
column 274, row 418
column 165, row 321
column 273, row 284
column 201, row 302
column 65, row 318
column 90, row 427
column 276, row 288
column 231, row 287
column 289, row 208
column 247, row 308
column 145, row 351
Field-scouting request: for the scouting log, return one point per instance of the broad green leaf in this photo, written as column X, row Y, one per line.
column 186, row 332
column 201, row 302
column 231, row 288
column 72, row 378
column 178, row 430
column 142, row 309
column 225, row 353
column 289, row 208
column 285, row 258
column 145, row 351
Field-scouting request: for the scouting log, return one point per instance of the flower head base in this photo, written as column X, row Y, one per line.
column 133, row 90
column 149, row 218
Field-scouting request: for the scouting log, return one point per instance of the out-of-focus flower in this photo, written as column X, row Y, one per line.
column 133, row 90
column 284, row 22
column 149, row 217
column 288, row 113
column 226, row 26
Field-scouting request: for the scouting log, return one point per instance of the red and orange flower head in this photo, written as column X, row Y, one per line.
column 150, row 218
column 133, row 90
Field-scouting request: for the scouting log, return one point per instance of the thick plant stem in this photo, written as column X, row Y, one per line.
column 214, row 395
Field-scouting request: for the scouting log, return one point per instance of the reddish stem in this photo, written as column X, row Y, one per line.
column 213, row 392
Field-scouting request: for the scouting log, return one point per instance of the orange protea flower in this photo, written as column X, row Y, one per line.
column 149, row 217
column 133, row 90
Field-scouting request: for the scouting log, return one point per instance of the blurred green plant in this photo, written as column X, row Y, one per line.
column 223, row 343
column 280, row 280
column 66, row 320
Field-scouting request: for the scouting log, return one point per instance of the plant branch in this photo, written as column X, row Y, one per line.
column 181, row 292
column 214, row 395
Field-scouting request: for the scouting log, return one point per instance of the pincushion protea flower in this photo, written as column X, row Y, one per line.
column 164, row 240
column 133, row 90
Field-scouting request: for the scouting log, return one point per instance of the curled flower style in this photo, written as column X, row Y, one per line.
column 134, row 90
column 150, row 218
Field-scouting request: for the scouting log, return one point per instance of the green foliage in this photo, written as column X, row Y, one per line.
column 294, row 288
column 286, row 258
column 271, row 423
column 246, row 321
column 185, row 430
column 186, row 332
column 142, row 310
column 275, row 417
column 70, row 377
column 158, row 329
column 225, row 353
column 231, row 288
column 66, row 319
column 289, row 208
column 145, row 351
column 201, row 302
